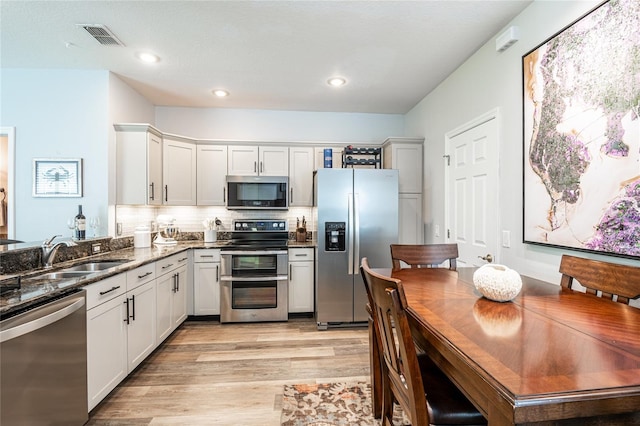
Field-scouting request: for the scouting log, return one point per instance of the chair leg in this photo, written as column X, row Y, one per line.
column 375, row 361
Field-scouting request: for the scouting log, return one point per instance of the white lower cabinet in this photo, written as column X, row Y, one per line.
column 171, row 294
column 106, row 338
column 301, row 280
column 141, row 328
column 206, row 282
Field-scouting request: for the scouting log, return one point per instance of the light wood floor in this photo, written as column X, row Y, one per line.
column 206, row 373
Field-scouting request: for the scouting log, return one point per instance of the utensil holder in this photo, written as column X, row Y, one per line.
column 210, row 236
column 301, row 236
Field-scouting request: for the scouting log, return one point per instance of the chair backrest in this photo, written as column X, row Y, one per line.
column 426, row 255
column 403, row 376
column 610, row 279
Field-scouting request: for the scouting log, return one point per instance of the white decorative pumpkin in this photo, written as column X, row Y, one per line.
column 497, row 282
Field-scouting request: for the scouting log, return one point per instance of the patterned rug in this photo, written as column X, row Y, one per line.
column 331, row 404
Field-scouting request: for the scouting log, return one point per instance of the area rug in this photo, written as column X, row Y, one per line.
column 331, row 404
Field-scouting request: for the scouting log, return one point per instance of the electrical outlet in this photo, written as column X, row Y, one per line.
column 506, row 239
column 96, row 248
column 437, row 230
column 119, row 228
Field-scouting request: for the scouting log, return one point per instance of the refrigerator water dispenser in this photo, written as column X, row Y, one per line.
column 334, row 236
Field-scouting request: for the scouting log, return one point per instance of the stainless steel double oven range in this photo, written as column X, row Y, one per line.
column 254, row 276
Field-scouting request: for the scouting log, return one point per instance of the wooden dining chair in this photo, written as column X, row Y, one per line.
column 424, row 255
column 414, row 381
column 601, row 278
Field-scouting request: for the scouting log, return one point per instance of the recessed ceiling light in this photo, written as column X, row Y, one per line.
column 220, row 93
column 148, row 58
column 336, row 81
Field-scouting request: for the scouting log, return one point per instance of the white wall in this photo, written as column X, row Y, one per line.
column 57, row 114
column 65, row 114
column 125, row 106
column 285, row 126
column 488, row 80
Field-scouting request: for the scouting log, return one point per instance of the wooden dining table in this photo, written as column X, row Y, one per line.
column 550, row 356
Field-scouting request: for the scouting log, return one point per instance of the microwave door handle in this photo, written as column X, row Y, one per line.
column 350, row 235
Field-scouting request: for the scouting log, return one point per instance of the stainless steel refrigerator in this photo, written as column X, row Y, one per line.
column 357, row 217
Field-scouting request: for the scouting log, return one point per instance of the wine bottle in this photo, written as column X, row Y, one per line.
column 81, row 224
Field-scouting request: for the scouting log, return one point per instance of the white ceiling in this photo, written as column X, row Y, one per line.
column 267, row 54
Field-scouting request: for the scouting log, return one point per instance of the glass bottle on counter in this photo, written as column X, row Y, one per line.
column 81, row 224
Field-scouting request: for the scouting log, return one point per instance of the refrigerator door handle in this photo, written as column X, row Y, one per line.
column 350, row 231
column 356, row 227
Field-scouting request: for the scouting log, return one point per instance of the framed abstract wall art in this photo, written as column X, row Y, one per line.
column 57, row 177
column 581, row 107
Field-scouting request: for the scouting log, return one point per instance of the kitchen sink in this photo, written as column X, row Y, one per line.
column 95, row 266
column 64, row 274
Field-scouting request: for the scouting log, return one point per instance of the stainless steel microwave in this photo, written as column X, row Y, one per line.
column 257, row 192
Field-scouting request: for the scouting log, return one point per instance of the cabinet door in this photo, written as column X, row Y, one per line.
column 141, row 330
column 206, row 288
column 336, row 158
column 300, row 176
column 164, row 296
column 154, row 170
column 106, row 348
column 301, row 289
column 179, row 173
column 212, row 172
column 179, row 302
column 242, row 160
column 407, row 158
column 138, row 167
column 410, row 227
column 274, row 161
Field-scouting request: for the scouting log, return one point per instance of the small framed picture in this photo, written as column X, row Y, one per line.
column 57, row 177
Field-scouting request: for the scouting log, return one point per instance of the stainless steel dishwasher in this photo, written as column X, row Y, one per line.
column 43, row 364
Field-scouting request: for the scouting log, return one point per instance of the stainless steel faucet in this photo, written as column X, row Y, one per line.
column 49, row 249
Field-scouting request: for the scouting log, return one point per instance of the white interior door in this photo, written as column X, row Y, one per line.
column 472, row 190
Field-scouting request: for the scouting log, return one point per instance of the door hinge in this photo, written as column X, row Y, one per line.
column 448, row 157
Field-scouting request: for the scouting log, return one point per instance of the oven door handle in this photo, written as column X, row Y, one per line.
column 253, row 252
column 249, row 279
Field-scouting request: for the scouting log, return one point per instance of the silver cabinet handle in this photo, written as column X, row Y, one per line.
column 217, row 273
column 144, row 275
column 167, row 266
column 153, row 194
column 291, row 198
column 166, row 193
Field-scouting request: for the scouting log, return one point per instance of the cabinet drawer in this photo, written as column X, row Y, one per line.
column 300, row 254
column 170, row 263
column 206, row 255
column 106, row 289
column 140, row 275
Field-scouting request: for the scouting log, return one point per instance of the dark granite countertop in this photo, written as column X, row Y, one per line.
column 34, row 290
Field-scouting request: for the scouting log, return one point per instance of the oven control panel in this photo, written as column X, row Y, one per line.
column 273, row 225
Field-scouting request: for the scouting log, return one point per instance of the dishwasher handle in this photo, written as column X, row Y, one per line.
column 63, row 308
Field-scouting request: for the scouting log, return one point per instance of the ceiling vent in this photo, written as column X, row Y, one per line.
column 102, row 34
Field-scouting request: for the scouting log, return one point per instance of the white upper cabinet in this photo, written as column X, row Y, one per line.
column 405, row 155
column 336, row 158
column 138, row 165
column 179, row 172
column 211, row 175
column 258, row 160
column 301, row 176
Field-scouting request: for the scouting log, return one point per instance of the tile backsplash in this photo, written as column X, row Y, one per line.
column 190, row 218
